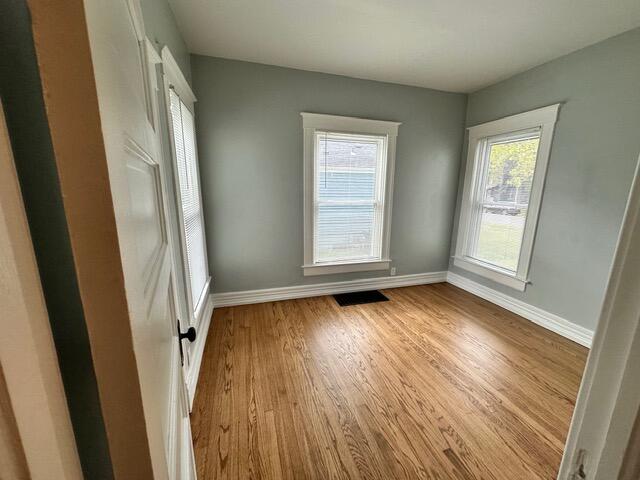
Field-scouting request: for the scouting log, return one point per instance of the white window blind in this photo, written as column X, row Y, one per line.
column 189, row 193
column 349, row 186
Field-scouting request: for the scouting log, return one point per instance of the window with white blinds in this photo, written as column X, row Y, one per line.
column 346, row 194
column 507, row 162
column 184, row 141
column 349, row 197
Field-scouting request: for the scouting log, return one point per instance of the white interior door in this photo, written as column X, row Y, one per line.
column 138, row 187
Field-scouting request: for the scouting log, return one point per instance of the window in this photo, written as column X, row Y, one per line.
column 348, row 184
column 506, row 166
column 190, row 208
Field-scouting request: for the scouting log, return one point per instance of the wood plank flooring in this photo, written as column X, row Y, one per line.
column 436, row 384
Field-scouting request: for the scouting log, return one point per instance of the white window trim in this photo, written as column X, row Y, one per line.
column 543, row 118
column 334, row 123
column 174, row 78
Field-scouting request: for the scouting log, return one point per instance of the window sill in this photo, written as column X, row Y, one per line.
column 486, row 271
column 329, row 268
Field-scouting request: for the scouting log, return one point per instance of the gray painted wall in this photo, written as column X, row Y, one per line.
column 161, row 28
column 594, row 153
column 250, row 150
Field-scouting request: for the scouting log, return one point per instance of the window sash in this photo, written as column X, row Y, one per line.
column 377, row 202
column 479, row 203
column 520, row 126
column 376, row 243
column 388, row 130
column 192, row 222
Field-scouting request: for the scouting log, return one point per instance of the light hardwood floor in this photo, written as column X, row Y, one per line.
column 436, row 383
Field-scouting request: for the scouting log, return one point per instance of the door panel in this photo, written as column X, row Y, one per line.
column 147, row 223
column 137, row 178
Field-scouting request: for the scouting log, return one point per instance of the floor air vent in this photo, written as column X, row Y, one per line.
column 358, row 298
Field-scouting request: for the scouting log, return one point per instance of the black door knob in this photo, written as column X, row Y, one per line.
column 190, row 334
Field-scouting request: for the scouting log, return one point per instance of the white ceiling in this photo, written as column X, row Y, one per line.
column 453, row 45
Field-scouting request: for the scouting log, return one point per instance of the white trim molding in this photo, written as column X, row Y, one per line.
column 177, row 78
column 536, row 315
column 199, row 314
column 330, row 288
column 550, row 321
column 28, row 357
column 385, row 133
column 539, row 123
column 202, row 315
column 327, row 268
column 489, row 271
column 175, row 83
column 200, row 308
column 321, row 121
column 197, row 351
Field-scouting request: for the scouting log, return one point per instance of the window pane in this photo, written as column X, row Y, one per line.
column 347, row 204
column 189, row 191
column 344, row 232
column 509, row 167
column 346, row 168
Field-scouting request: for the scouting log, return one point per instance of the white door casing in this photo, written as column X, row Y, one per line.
column 138, row 188
column 28, row 359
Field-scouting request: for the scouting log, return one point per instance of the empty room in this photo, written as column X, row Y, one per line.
column 334, row 239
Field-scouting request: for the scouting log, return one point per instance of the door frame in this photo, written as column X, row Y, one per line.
column 65, row 59
column 28, row 356
column 67, row 76
column 609, row 397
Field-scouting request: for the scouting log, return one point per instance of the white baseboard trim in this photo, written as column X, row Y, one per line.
column 329, row 288
column 550, row 321
column 198, row 350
